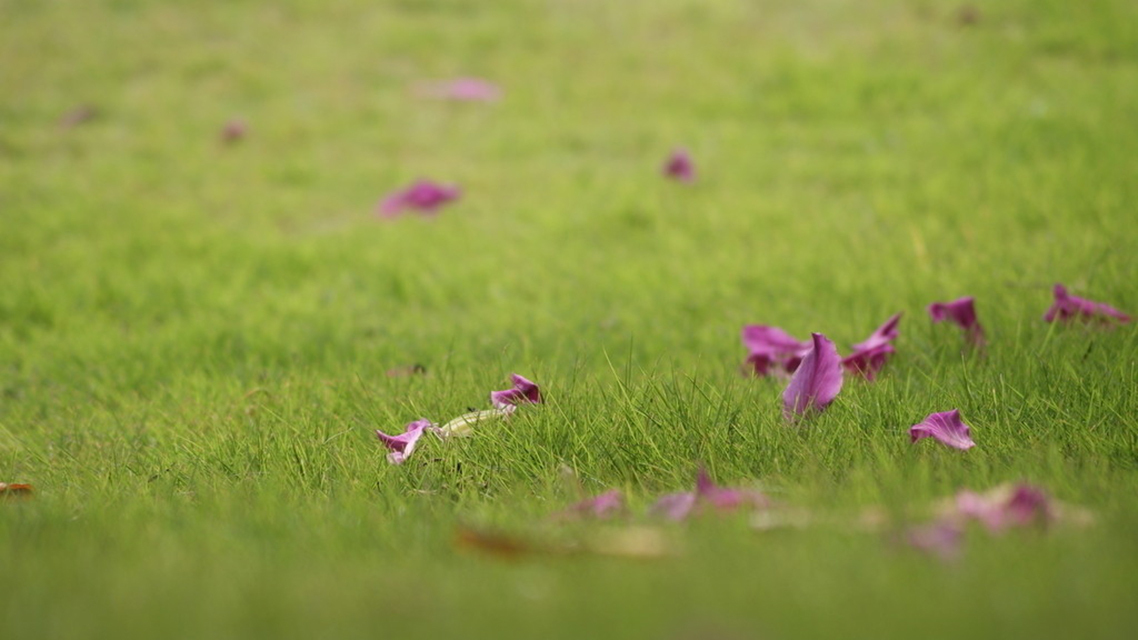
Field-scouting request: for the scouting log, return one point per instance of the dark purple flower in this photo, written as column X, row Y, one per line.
column 962, row 312
column 524, row 391
column 462, row 89
column 403, row 445
column 678, row 506
column 604, row 505
column 679, row 166
column 772, row 348
column 1005, row 507
column 423, row 196
column 816, row 382
column 1068, row 307
column 946, row 427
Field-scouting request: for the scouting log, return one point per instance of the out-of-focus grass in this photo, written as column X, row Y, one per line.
column 194, row 336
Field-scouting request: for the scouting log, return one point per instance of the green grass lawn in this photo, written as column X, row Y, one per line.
column 194, row 336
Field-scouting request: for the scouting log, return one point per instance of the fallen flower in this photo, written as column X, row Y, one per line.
column 961, row 312
column 1067, row 307
column 870, row 355
column 403, row 445
column 423, row 196
column 465, row 89
column 816, row 382
column 946, row 427
column 771, row 347
column 678, row 506
column 524, row 391
column 1004, row 507
column 679, row 166
column 604, row 505
column 463, row 425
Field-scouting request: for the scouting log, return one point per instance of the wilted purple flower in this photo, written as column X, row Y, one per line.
column 871, row 354
column 403, row 445
column 604, row 505
column 946, row 427
column 462, row 89
column 771, row 347
column 679, row 166
column 816, row 382
column 1068, row 307
column 1005, row 506
column 524, row 391
column 962, row 312
column 423, row 196
column 677, row 506
column 940, row 538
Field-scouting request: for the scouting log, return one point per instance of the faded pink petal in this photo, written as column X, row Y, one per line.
column 867, row 362
column 1005, row 507
column 463, row 89
column 771, row 347
column 884, row 334
column 604, row 505
column 961, row 312
column 524, row 391
column 940, row 538
column 678, row 506
column 423, row 196
column 679, row 166
column 946, row 427
column 1067, row 307
column 674, row 506
column 816, row 382
column 403, row 445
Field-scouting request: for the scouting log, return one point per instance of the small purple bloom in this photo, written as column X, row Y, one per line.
column 772, row 348
column 1068, row 307
column 946, row 427
column 679, row 166
column 962, row 312
column 1005, row 507
column 524, row 391
column 423, row 196
column 816, row 382
column 403, row 445
column 604, row 505
column 462, row 89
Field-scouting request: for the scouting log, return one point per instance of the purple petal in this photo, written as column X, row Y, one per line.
column 674, row 506
column 867, row 362
column 607, row 504
column 940, row 538
column 884, row 334
column 724, row 498
column 423, row 196
column 524, row 391
column 234, row 130
column 1006, row 506
column 401, row 446
column 816, row 382
column 679, row 166
column 961, row 312
column 463, row 89
column 1067, row 307
column 771, row 346
column 946, row 427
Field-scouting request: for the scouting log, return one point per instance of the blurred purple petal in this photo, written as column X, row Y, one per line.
column 674, row 506
column 423, row 196
column 1005, row 507
column 724, row 498
column 946, row 427
column 401, row 446
column 885, row 334
column 940, row 538
column 961, row 312
column 524, row 391
column 464, row 89
column 867, row 362
column 771, row 347
column 679, row 166
column 1067, row 307
column 234, row 131
column 816, row 382
column 604, row 505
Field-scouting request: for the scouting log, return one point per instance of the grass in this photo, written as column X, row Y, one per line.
column 194, row 336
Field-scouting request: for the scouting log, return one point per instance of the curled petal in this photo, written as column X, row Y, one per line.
column 423, row 196
column 770, row 348
column 867, row 362
column 463, row 425
column 524, row 391
column 961, row 312
column 1067, row 307
column 816, row 382
column 946, row 427
column 401, row 446
column 884, row 334
column 679, row 166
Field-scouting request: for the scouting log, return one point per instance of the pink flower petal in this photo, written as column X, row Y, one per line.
column 885, row 334
column 771, row 347
column 940, row 538
column 423, row 196
column 463, row 89
column 946, row 427
column 678, row 506
column 680, row 167
column 604, row 505
column 674, row 506
column 867, row 362
column 1067, row 307
column 816, row 382
column 1005, row 507
column 524, row 391
column 961, row 312
column 401, row 446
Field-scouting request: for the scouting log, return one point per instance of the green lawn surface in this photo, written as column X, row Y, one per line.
column 195, row 335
